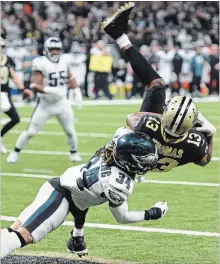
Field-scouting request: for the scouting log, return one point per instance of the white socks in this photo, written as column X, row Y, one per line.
column 9, row 243
column 77, row 232
column 123, row 41
column 22, row 140
column 72, row 139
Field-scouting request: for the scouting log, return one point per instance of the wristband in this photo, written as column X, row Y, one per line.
column 32, row 85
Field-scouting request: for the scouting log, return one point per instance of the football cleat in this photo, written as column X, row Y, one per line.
column 12, row 157
column 75, row 157
column 117, row 24
column 77, row 246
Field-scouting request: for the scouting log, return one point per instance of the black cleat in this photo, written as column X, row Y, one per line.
column 117, row 24
column 77, row 246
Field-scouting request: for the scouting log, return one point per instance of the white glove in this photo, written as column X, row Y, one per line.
column 77, row 96
column 140, row 178
column 163, row 207
column 206, row 126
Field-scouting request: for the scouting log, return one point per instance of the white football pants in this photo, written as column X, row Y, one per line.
column 47, row 212
column 44, row 110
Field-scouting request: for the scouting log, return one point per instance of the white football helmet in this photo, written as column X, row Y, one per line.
column 52, row 49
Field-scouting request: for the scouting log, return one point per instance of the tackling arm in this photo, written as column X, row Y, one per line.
column 133, row 119
column 37, row 84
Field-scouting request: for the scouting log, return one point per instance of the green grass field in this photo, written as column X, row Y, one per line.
column 192, row 208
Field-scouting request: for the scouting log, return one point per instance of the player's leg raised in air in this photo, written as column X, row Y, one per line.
column 116, row 26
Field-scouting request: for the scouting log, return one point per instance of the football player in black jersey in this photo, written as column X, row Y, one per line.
column 7, row 72
column 172, row 126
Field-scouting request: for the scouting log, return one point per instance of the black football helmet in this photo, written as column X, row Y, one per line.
column 135, row 153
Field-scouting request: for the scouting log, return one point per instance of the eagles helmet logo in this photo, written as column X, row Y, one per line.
column 150, row 159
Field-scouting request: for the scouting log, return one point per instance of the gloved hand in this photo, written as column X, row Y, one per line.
column 157, row 211
column 206, row 126
column 28, row 93
column 77, row 96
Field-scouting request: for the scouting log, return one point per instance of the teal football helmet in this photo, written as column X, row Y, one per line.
column 135, row 153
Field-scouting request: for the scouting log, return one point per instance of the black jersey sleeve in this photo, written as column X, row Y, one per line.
column 199, row 146
column 148, row 124
column 141, row 125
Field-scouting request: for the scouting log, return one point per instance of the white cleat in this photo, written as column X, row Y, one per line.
column 3, row 149
column 12, row 157
column 75, row 157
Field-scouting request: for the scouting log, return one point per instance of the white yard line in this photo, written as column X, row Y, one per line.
column 53, row 153
column 80, row 134
column 133, row 228
column 43, row 176
column 37, row 170
column 121, row 102
column 183, row 183
column 86, row 123
column 79, row 123
column 27, row 175
column 61, row 153
column 56, row 133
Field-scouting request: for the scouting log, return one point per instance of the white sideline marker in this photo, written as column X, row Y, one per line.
column 43, row 176
column 60, row 153
column 133, row 228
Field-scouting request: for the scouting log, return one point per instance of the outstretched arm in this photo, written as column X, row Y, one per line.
column 123, row 216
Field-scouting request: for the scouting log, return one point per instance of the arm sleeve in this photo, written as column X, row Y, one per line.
column 200, row 151
column 123, row 216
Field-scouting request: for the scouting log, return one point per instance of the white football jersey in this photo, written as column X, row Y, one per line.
column 55, row 75
column 95, row 183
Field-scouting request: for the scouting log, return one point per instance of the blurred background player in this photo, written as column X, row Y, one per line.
column 51, row 78
column 159, row 25
column 8, row 72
